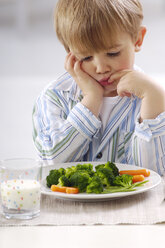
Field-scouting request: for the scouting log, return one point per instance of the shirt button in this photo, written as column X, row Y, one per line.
column 99, row 155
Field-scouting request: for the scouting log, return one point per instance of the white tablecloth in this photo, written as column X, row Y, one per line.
column 143, row 208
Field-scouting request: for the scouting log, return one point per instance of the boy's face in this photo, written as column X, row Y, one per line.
column 102, row 65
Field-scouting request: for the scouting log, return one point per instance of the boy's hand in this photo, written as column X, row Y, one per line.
column 92, row 91
column 87, row 84
column 131, row 82
column 139, row 84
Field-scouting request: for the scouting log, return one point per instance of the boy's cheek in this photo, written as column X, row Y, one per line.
column 125, row 64
column 85, row 68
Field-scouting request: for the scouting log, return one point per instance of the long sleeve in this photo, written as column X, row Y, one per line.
column 62, row 128
column 148, row 144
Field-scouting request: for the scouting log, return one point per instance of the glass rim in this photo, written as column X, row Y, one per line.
column 2, row 161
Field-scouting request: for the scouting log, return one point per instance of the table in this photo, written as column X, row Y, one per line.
column 115, row 236
column 47, row 231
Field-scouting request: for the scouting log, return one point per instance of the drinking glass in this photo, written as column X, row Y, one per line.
column 20, row 187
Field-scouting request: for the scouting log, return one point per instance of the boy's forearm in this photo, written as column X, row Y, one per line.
column 153, row 104
column 93, row 103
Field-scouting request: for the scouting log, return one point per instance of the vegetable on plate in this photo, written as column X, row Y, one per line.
column 143, row 172
column 104, row 178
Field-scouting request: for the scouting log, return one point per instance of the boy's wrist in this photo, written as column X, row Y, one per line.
column 153, row 104
column 93, row 103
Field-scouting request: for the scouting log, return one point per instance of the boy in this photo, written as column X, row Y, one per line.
column 103, row 108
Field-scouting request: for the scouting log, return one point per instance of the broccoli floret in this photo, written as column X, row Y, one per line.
column 106, row 175
column 109, row 165
column 53, row 177
column 113, row 167
column 70, row 171
column 99, row 166
column 62, row 171
column 86, row 168
column 123, row 180
column 95, row 186
column 63, row 181
column 80, row 179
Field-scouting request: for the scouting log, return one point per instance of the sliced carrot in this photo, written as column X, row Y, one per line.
column 58, row 188
column 143, row 172
column 70, row 190
column 138, row 178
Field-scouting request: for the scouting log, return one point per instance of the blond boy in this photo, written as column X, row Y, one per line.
column 103, row 108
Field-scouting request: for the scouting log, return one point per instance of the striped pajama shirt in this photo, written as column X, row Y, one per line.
column 65, row 131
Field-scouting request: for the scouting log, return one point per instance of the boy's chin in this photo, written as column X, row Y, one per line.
column 111, row 93
column 110, row 90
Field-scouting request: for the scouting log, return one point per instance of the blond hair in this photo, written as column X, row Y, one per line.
column 92, row 25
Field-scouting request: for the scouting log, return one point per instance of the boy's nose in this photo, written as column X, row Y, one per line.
column 102, row 67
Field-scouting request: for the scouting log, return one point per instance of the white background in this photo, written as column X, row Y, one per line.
column 31, row 57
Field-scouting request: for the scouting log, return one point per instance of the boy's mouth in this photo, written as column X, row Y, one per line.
column 105, row 82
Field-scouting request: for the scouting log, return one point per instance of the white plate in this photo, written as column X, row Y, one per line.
column 154, row 180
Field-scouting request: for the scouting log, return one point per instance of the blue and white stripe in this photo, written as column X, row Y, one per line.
column 64, row 130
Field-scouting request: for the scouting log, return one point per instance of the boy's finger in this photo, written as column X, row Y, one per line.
column 80, row 73
column 78, row 70
column 119, row 74
column 124, row 93
column 69, row 62
column 77, row 67
column 67, row 56
column 66, row 60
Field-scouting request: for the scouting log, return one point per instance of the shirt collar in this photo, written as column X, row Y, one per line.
column 66, row 83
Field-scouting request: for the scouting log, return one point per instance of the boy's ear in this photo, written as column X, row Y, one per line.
column 140, row 38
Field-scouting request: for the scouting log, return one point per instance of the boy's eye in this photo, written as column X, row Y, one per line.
column 86, row 58
column 113, row 54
